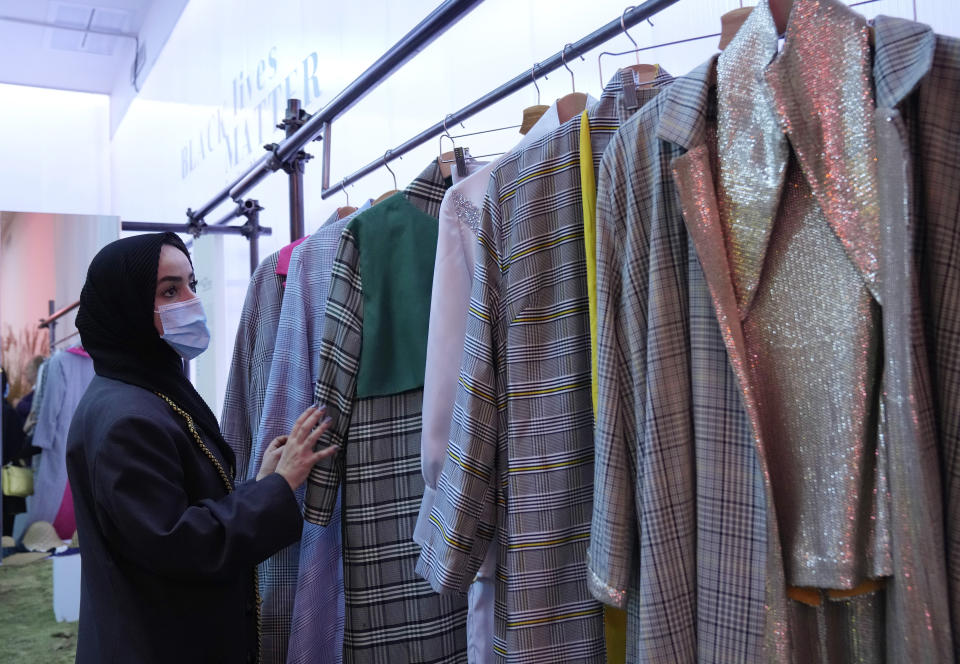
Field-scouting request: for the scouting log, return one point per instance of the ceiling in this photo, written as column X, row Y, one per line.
column 89, row 58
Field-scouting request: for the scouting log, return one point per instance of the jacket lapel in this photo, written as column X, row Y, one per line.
column 752, row 152
column 829, row 120
column 683, row 123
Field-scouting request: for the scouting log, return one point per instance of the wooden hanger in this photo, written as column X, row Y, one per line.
column 780, row 9
column 730, row 23
column 574, row 103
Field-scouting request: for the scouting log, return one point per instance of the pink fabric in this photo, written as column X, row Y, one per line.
column 66, row 522
column 77, row 350
column 283, row 257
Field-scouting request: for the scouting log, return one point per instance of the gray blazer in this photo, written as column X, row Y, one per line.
column 681, row 531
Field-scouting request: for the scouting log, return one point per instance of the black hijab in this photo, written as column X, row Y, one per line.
column 115, row 321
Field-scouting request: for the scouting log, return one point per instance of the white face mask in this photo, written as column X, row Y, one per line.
column 185, row 327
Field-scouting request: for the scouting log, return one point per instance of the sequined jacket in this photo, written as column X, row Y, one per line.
column 682, row 534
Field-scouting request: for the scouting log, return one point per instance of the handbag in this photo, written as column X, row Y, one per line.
column 17, row 481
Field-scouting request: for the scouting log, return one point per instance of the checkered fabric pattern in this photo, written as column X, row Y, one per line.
column 314, row 561
column 680, row 530
column 250, row 365
column 247, row 386
column 912, row 60
column 391, row 614
column 664, row 380
column 520, row 458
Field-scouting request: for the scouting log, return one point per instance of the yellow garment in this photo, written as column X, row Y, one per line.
column 588, row 185
column 614, row 620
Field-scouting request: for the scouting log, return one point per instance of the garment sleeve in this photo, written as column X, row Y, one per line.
column 290, row 387
column 449, row 301
column 143, row 510
column 613, row 528
column 463, row 513
column 238, row 398
column 336, row 385
column 49, row 409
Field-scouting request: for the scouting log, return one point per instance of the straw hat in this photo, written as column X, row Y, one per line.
column 41, row 536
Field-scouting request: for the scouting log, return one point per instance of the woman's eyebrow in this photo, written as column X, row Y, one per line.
column 170, row 278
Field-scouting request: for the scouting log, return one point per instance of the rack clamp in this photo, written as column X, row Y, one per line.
column 195, row 225
column 295, row 119
column 293, row 165
column 250, row 208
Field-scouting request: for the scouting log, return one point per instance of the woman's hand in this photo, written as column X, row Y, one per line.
column 271, row 456
column 293, row 455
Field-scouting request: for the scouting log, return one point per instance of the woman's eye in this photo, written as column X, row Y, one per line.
column 170, row 292
column 193, row 285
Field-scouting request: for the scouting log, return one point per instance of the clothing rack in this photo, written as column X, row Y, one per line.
column 302, row 128
column 252, row 230
column 630, row 18
column 51, row 321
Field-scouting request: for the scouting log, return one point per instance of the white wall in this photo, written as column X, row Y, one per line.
column 54, row 151
column 159, row 21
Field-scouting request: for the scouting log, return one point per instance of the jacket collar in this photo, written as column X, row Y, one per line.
column 685, row 102
column 903, row 56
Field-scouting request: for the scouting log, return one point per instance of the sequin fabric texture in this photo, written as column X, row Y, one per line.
column 467, row 212
column 797, row 201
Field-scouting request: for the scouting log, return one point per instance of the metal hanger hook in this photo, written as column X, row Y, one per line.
column 533, row 77
column 343, row 188
column 563, row 59
column 624, row 27
column 387, row 166
column 446, row 133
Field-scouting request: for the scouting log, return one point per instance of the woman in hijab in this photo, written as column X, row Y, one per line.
column 169, row 544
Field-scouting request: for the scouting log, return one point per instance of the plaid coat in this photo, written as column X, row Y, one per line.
column 250, row 364
column 519, row 469
column 682, row 534
column 391, row 614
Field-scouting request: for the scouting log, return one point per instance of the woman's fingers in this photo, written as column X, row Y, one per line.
column 319, row 430
column 307, row 421
column 324, row 453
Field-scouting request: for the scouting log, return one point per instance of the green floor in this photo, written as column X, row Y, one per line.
column 29, row 634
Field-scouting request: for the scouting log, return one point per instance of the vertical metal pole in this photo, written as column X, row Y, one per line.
column 325, row 183
column 51, row 304
column 254, row 241
column 296, row 173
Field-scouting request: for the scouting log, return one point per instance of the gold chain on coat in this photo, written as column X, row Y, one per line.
column 229, row 486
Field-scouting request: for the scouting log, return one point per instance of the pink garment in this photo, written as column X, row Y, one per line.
column 65, row 522
column 283, row 256
column 77, row 350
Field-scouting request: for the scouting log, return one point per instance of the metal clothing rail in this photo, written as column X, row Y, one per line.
column 287, row 153
column 56, row 315
column 629, row 19
column 51, row 322
column 252, row 230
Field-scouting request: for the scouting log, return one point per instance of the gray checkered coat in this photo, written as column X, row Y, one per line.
column 680, row 527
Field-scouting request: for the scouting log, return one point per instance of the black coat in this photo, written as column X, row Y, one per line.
column 168, row 556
